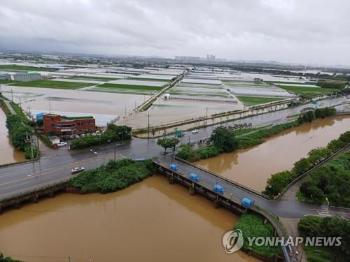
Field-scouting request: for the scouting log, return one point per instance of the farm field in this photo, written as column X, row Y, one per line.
column 14, row 67
column 255, row 89
column 256, row 100
column 53, row 84
column 308, row 92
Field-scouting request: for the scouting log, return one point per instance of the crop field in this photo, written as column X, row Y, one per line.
column 53, row 84
column 255, row 100
column 308, row 91
column 12, row 67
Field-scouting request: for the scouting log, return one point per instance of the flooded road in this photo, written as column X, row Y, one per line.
column 7, row 153
column 150, row 221
column 252, row 167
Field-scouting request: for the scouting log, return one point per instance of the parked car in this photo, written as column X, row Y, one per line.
column 77, row 169
column 195, row 131
column 61, row 144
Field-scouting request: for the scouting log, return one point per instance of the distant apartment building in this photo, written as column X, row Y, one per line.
column 64, row 126
column 210, row 57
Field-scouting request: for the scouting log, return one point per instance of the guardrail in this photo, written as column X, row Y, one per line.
column 257, row 193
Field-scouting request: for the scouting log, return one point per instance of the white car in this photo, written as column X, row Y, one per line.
column 61, row 144
column 195, row 131
column 78, row 169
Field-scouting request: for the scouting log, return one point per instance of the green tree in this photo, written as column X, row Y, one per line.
column 277, row 182
column 224, row 139
column 168, row 143
column 319, row 154
column 302, row 166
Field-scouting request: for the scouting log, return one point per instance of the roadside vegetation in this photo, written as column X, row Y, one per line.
column 256, row 100
column 253, row 225
column 243, row 138
column 113, row 133
column 168, row 143
column 113, row 176
column 310, row 191
column 312, row 226
column 53, row 84
column 20, row 130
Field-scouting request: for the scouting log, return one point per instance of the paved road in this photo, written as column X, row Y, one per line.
column 55, row 165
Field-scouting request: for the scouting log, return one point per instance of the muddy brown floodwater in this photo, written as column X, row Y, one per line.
column 252, row 167
column 7, row 153
column 150, row 221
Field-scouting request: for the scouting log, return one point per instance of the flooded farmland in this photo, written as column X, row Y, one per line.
column 252, row 167
column 104, row 106
column 150, row 221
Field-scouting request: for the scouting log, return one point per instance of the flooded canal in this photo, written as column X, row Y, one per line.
column 7, row 153
column 150, row 221
column 252, row 167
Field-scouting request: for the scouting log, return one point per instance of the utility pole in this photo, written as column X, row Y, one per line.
column 206, row 116
column 148, row 125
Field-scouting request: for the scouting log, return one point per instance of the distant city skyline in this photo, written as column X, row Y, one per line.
column 286, row 31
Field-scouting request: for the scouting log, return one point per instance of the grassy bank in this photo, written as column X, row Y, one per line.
column 279, row 181
column 253, row 225
column 312, row 226
column 245, row 138
column 53, row 84
column 256, row 100
column 113, row 176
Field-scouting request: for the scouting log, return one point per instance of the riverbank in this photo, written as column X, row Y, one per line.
column 252, row 167
column 252, row 226
column 246, row 138
column 277, row 183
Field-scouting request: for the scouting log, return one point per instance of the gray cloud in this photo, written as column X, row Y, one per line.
column 309, row 31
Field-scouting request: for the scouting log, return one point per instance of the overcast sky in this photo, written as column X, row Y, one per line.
column 305, row 31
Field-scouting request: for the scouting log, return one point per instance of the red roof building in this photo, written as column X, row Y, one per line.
column 61, row 125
